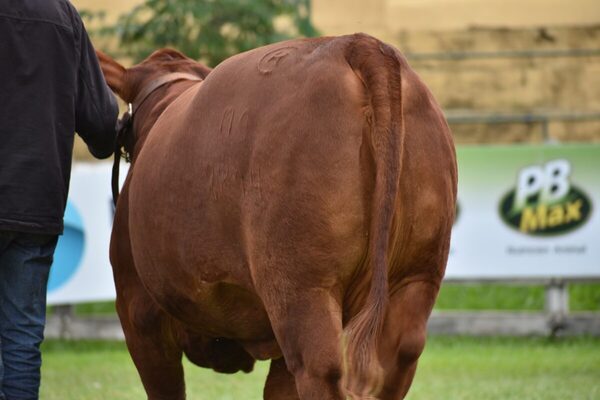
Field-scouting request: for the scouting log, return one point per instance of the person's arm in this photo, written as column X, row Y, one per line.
column 96, row 109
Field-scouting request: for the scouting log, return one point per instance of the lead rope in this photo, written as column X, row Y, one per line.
column 124, row 126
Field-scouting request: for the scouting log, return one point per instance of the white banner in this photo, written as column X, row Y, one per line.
column 81, row 271
column 523, row 212
column 527, row 212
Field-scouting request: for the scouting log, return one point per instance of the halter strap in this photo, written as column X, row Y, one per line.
column 125, row 124
column 163, row 80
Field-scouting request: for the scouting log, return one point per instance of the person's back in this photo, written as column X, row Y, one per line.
column 50, row 87
column 46, row 94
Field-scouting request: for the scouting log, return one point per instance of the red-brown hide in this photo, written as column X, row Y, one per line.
column 303, row 192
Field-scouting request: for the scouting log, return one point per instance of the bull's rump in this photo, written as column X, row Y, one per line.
column 263, row 171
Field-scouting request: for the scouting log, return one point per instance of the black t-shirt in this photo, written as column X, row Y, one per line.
column 51, row 86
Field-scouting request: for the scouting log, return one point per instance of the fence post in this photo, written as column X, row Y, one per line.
column 546, row 130
column 557, row 305
column 65, row 314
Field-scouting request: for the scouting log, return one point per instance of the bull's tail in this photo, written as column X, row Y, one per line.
column 378, row 65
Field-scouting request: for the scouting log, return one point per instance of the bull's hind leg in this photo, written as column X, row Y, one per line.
column 404, row 334
column 151, row 341
column 308, row 327
column 148, row 330
column 281, row 384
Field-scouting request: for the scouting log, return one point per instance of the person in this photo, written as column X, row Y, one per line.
column 51, row 86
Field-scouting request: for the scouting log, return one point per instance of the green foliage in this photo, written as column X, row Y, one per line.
column 211, row 30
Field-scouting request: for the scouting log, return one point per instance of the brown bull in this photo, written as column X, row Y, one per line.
column 295, row 205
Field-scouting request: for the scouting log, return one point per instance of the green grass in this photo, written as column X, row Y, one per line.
column 508, row 368
column 92, row 370
column 450, row 368
column 102, row 308
column 585, row 296
column 490, row 297
column 582, row 297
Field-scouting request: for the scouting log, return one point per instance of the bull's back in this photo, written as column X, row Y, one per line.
column 267, row 152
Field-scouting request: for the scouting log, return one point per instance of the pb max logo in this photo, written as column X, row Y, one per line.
column 544, row 201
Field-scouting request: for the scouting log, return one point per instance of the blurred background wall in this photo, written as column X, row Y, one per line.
column 535, row 60
column 508, row 56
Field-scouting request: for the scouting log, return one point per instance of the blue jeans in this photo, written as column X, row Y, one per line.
column 25, row 261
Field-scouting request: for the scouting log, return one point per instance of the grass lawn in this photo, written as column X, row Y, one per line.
column 451, row 368
column 582, row 297
column 508, row 368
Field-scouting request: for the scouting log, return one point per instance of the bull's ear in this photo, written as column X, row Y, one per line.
column 114, row 73
column 202, row 70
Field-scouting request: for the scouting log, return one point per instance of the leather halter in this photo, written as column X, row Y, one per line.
column 157, row 83
column 125, row 124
